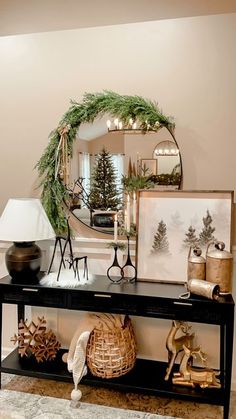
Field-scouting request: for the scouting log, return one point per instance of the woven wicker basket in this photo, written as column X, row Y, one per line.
column 111, row 351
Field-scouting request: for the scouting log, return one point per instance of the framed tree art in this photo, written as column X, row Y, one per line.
column 169, row 222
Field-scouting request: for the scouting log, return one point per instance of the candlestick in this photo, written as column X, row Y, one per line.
column 115, row 228
column 128, row 213
column 125, row 220
column 138, row 163
column 134, row 207
column 115, row 272
column 129, row 271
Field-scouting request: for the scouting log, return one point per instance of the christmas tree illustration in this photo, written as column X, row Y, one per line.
column 207, row 231
column 160, row 242
column 176, row 221
column 191, row 238
column 104, row 194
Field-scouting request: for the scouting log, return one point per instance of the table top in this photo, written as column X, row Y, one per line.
column 101, row 284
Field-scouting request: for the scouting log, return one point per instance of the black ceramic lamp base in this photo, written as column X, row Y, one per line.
column 23, row 262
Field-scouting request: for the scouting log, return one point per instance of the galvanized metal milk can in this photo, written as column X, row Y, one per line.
column 196, row 264
column 203, row 288
column 219, row 266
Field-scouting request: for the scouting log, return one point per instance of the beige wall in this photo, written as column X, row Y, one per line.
column 188, row 65
column 137, row 146
column 82, row 146
column 114, row 144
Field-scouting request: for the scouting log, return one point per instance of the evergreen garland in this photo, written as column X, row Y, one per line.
column 124, row 107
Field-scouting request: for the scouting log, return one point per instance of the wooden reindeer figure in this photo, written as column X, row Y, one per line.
column 190, row 376
column 175, row 345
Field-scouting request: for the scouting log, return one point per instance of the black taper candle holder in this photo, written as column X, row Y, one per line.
column 115, row 264
column 129, row 263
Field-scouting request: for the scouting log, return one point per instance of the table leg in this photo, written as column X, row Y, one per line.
column 222, row 353
column 1, row 342
column 20, row 312
column 229, row 330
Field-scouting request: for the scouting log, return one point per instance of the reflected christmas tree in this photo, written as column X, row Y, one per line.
column 104, row 194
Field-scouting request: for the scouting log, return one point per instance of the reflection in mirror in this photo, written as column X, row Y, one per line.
column 154, row 156
column 130, row 114
column 168, row 164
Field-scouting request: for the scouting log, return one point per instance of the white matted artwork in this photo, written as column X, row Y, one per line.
column 169, row 222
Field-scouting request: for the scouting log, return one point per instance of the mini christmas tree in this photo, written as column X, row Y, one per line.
column 104, row 194
column 160, row 243
column 207, row 232
column 191, row 238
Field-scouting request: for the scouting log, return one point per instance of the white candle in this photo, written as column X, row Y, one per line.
column 128, row 213
column 134, row 207
column 115, row 228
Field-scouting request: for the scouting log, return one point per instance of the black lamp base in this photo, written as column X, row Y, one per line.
column 23, row 262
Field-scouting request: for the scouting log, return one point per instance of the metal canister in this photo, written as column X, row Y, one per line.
column 203, row 288
column 219, row 267
column 196, row 264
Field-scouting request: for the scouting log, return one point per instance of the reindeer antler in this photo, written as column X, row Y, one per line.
column 202, row 355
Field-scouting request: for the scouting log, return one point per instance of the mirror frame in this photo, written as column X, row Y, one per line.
column 53, row 166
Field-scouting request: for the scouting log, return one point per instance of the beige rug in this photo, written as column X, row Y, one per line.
column 18, row 405
column 115, row 399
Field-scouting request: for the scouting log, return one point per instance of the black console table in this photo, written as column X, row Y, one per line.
column 138, row 299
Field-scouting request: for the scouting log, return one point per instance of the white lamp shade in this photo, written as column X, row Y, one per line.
column 25, row 220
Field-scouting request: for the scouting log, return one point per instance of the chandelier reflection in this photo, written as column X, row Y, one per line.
column 131, row 127
column 166, row 148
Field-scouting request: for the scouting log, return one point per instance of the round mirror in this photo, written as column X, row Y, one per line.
column 130, row 160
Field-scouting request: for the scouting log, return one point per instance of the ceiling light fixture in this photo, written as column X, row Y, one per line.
column 166, row 148
column 131, row 127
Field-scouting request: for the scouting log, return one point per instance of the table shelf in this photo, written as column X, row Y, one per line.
column 146, row 377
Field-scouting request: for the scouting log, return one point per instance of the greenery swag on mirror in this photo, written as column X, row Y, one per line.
column 53, row 165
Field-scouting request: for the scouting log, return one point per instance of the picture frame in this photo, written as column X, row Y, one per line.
column 164, row 233
column 150, row 165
